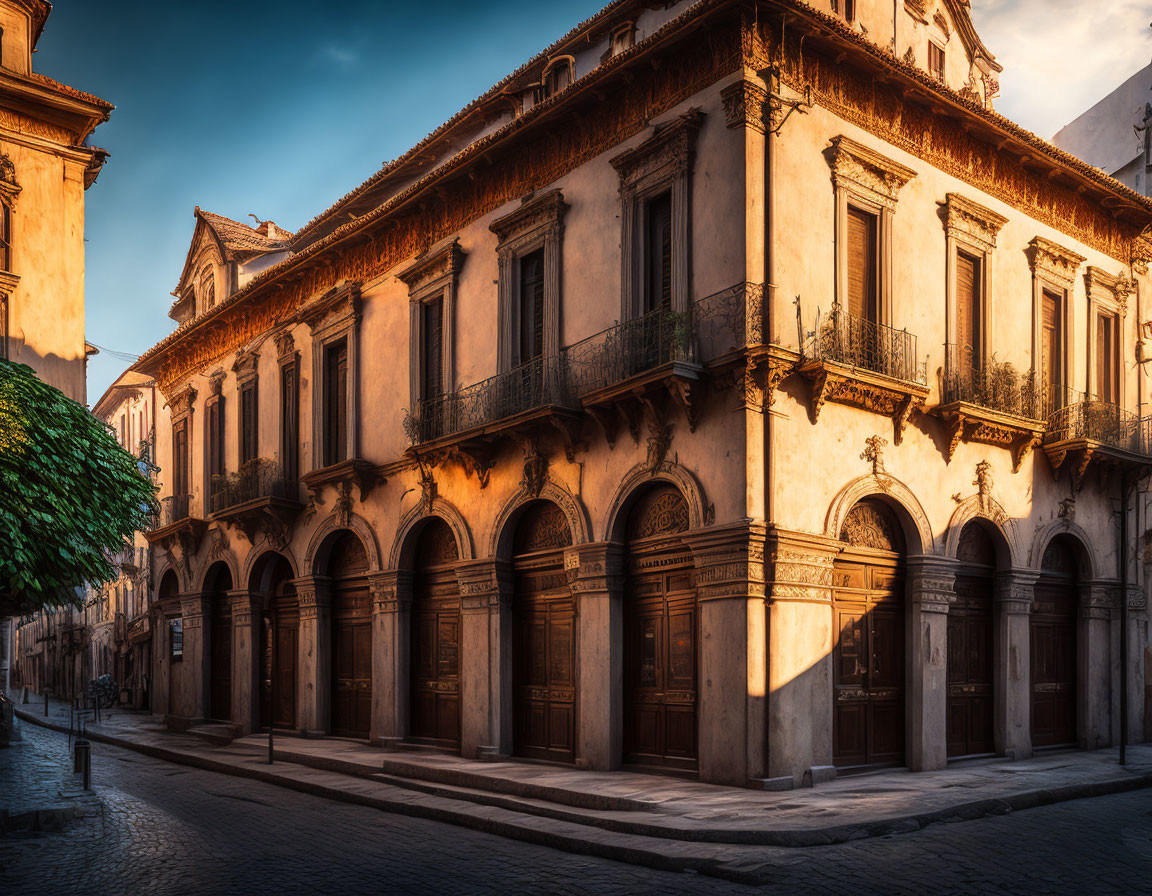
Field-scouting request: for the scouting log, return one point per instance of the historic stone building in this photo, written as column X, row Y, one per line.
column 47, row 162
column 728, row 391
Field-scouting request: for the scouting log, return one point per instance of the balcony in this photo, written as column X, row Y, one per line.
column 1082, row 429
column 990, row 403
column 176, row 524
column 256, row 496
column 620, row 371
column 468, row 422
column 863, row 364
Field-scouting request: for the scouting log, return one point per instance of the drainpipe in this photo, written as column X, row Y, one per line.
column 1123, row 617
column 769, row 288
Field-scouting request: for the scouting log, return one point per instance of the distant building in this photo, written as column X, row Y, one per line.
column 47, row 163
column 1114, row 134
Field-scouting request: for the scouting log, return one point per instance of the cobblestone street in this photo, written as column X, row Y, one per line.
column 167, row 829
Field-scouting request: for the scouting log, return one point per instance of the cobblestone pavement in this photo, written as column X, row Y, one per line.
column 171, row 829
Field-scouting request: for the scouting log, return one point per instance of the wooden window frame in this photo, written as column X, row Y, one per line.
column 432, row 276
column 662, row 163
column 332, row 451
column 247, row 368
column 943, row 56
column 1107, row 297
column 1053, row 269
column 333, row 317
column 863, row 178
column 214, row 406
column 972, row 229
column 537, row 224
column 548, row 80
column 288, row 365
column 182, row 406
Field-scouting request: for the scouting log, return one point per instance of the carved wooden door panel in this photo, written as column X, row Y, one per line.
column 1053, row 661
column 351, row 663
column 278, row 663
column 660, row 627
column 868, row 664
column 436, row 659
column 970, row 666
column 285, row 691
column 220, row 661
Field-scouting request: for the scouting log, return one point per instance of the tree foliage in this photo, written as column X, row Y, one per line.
column 70, row 496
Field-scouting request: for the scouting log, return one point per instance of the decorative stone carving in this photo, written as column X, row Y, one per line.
column 1108, row 290
column 1053, row 261
column 874, row 453
column 967, row 422
column 659, row 441
column 862, row 170
column 983, row 482
column 246, row 365
column 1140, row 256
column 285, row 344
column 660, row 511
column 180, row 405
column 428, row 489
column 744, row 103
column 543, row 527
column 972, row 222
column 219, row 544
column 216, row 381
column 7, row 169
column 870, row 525
column 335, row 306
column 861, row 389
column 535, row 470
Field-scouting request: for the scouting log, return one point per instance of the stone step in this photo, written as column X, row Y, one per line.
column 218, row 733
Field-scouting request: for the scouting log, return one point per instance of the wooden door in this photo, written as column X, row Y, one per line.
column 970, row 655
column 220, row 663
column 660, row 635
column 281, row 624
column 868, row 655
column 1051, row 348
column 968, row 311
column 435, row 640
column 351, row 638
column 861, row 264
column 1053, row 649
column 544, row 639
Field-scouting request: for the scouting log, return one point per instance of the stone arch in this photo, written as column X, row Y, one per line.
column 167, row 566
column 206, row 579
column 404, row 542
column 639, row 478
column 1002, row 527
column 257, row 555
column 228, row 558
column 894, row 493
column 571, row 506
column 316, row 554
column 1063, row 526
column 164, row 572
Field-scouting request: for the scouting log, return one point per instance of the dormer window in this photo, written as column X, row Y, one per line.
column 935, row 60
column 845, row 8
column 622, row 39
column 557, row 76
column 207, row 289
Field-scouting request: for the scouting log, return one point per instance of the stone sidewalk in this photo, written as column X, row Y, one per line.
column 652, row 820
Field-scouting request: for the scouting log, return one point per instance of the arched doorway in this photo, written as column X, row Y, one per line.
column 1053, row 645
column 218, row 583
column 544, row 661
column 167, row 595
column 971, row 692
column 279, row 632
column 868, row 656
column 435, row 639
column 660, row 631
column 351, row 638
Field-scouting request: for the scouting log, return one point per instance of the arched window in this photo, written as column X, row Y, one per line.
column 557, row 75
column 207, row 288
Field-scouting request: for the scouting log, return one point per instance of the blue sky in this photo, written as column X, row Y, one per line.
column 280, row 108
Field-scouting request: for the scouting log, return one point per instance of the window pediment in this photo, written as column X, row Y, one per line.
column 967, row 220
column 1053, row 261
column 182, row 402
column 336, row 308
column 667, row 154
column 1109, row 291
column 859, row 169
column 535, row 217
column 245, row 366
column 433, row 269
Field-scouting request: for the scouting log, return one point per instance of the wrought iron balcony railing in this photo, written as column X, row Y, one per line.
column 843, row 338
column 631, row 348
column 536, row 384
column 1076, row 415
column 173, row 509
column 996, row 385
column 256, row 479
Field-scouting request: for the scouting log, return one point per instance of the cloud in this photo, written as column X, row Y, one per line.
column 343, row 58
column 1061, row 56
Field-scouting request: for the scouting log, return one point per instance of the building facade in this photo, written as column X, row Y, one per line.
column 728, row 391
column 47, row 162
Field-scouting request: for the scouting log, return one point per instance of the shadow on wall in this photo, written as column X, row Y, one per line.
column 66, row 374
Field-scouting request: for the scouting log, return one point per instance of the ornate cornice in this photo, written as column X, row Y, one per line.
column 1111, row 290
column 744, row 105
column 969, row 220
column 438, row 264
column 860, row 169
column 181, row 403
column 1053, row 261
column 335, row 306
column 670, row 150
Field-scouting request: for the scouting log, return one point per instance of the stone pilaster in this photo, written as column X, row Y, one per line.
column 391, row 624
column 193, row 674
column 1137, row 644
column 1012, row 647
column 314, row 655
column 1094, row 725
column 931, row 590
column 732, row 677
column 800, row 642
column 246, row 625
column 596, row 575
column 485, row 658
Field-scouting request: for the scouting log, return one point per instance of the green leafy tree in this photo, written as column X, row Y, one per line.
column 70, row 496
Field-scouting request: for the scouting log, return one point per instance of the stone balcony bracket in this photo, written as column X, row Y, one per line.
column 865, row 389
column 967, row 422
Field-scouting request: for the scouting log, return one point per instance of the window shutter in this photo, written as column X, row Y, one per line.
column 336, row 403
column 1050, row 347
column 967, row 309
column 433, row 349
column 531, row 306
column 1105, row 367
column 289, row 421
column 659, row 262
column 861, row 263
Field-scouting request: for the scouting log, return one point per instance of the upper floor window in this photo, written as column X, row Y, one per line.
column 531, row 291
column 180, row 458
column 622, row 39
column 215, row 424
column 289, row 361
column 1053, row 273
column 845, row 8
column 557, row 76
column 935, row 60
column 971, row 238
column 249, row 422
column 1107, row 358
column 431, row 284
column 432, row 348
column 658, row 253
column 862, row 264
column 207, row 289
column 1107, row 306
column 335, row 402
column 5, row 237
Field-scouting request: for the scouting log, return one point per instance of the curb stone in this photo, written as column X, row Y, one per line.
column 634, row 842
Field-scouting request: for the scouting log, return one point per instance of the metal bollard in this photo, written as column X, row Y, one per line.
column 83, row 761
column 25, row 700
column 45, row 704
